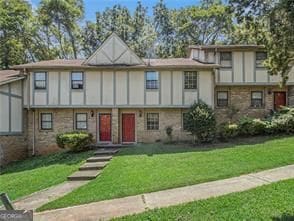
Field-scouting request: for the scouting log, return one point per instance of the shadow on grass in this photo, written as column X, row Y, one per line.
column 163, row 148
column 284, row 217
column 62, row 157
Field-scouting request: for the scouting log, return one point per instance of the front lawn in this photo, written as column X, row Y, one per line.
column 273, row 202
column 37, row 173
column 153, row 167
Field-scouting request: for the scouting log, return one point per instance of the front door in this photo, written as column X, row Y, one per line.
column 279, row 99
column 105, row 127
column 128, row 128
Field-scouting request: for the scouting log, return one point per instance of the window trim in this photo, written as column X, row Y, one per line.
column 184, row 80
column 147, row 121
column 41, row 121
column 76, row 121
column 231, row 60
column 262, row 99
column 217, row 100
column 257, row 65
column 158, row 81
column 83, row 80
column 46, row 80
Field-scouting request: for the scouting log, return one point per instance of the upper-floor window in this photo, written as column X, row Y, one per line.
column 190, row 78
column 226, row 59
column 152, row 121
column 46, row 121
column 77, row 81
column 260, row 57
column 81, row 121
column 152, row 81
column 222, row 99
column 256, row 99
column 40, row 80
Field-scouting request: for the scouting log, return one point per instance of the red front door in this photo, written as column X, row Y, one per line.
column 105, row 127
column 128, row 128
column 279, row 99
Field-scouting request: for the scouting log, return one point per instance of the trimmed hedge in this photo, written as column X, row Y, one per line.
column 75, row 141
column 281, row 122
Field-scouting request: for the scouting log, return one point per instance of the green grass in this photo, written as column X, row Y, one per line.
column 37, row 173
column 153, row 167
column 273, row 202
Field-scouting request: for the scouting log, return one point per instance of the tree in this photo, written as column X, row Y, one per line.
column 60, row 20
column 90, row 39
column 269, row 23
column 164, row 29
column 200, row 121
column 14, row 18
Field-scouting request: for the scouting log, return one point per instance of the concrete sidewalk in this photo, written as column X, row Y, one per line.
column 108, row 209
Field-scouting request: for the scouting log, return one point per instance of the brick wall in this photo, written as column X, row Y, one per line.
column 240, row 98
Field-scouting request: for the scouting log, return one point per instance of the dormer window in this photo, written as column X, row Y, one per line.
column 77, row 81
column 260, row 58
column 226, row 59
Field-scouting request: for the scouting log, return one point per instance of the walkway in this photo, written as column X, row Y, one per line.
column 105, row 210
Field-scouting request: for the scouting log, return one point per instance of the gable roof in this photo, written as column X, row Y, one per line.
column 113, row 51
column 8, row 76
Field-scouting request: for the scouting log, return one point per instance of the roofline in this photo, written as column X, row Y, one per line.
column 226, row 47
column 11, row 80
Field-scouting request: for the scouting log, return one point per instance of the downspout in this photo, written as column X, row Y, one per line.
column 33, row 151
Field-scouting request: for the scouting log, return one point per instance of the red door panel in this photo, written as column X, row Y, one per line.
column 279, row 99
column 105, row 127
column 128, row 128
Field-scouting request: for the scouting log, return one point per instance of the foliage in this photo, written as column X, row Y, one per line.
column 248, row 126
column 169, row 132
column 227, row 131
column 200, row 121
column 282, row 122
column 75, row 141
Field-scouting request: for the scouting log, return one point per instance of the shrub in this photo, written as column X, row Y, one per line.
column 248, row 126
column 227, row 131
column 200, row 121
column 282, row 122
column 75, row 141
column 169, row 132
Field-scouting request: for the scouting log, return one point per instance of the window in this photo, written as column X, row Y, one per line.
column 256, row 99
column 77, row 80
column 185, row 121
column 81, row 121
column 152, row 80
column 190, row 79
column 226, row 59
column 152, row 121
column 222, row 99
column 260, row 57
column 40, row 80
column 46, row 121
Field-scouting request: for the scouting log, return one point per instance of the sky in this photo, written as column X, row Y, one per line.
column 92, row 6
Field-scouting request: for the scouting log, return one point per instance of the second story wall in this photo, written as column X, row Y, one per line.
column 120, row 88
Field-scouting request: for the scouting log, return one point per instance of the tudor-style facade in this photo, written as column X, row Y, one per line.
column 121, row 98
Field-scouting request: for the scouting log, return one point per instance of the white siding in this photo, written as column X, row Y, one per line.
column 4, row 88
column 249, row 66
column 166, row 87
column 40, row 97
column 121, row 88
column 238, row 66
column 77, row 97
column 16, row 88
column 93, row 88
column 190, row 97
column 16, row 114
column 64, row 88
column 177, row 87
column 107, row 94
column 4, row 113
column 206, row 87
column 53, row 88
column 261, row 75
column 152, row 97
column 225, row 76
column 137, row 86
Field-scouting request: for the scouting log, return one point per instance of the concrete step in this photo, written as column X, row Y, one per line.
column 101, row 145
column 100, row 158
column 84, row 175
column 93, row 165
column 106, row 152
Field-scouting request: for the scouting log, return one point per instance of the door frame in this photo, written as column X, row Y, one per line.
column 286, row 96
column 98, row 127
column 121, row 128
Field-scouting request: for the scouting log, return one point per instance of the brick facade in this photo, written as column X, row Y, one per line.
column 239, row 97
